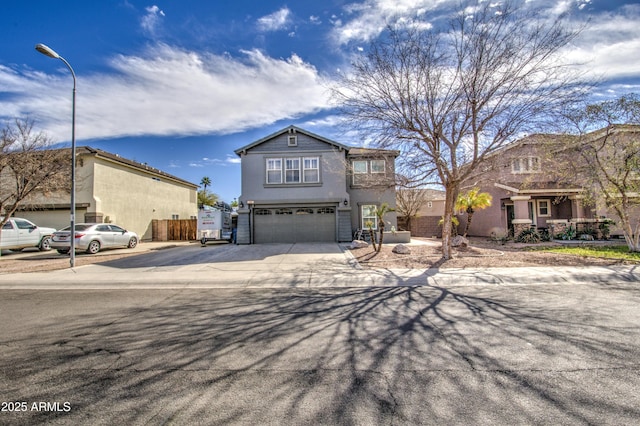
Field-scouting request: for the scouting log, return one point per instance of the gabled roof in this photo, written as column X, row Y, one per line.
column 290, row 129
column 372, row 152
column 87, row 150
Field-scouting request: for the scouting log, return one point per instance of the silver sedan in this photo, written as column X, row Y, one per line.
column 92, row 237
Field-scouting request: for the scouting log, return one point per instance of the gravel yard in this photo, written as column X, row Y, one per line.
column 481, row 253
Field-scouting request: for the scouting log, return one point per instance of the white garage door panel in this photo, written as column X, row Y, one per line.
column 295, row 225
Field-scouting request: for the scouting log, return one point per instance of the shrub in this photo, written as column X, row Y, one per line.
column 529, row 236
column 568, row 234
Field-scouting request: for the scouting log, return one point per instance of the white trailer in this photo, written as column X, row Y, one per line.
column 214, row 225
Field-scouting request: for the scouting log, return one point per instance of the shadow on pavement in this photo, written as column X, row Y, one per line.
column 359, row 356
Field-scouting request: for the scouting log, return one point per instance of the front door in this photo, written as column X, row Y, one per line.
column 511, row 214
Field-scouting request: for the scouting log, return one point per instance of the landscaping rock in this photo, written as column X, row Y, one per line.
column 401, row 249
column 459, row 241
column 357, row 244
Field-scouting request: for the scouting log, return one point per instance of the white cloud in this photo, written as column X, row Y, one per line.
column 276, row 21
column 609, row 45
column 152, row 20
column 371, row 17
column 168, row 91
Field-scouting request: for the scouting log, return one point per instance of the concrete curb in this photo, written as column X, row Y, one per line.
column 96, row 277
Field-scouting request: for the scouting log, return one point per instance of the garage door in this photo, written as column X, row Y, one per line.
column 295, row 224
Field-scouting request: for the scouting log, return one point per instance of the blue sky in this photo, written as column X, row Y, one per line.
column 181, row 84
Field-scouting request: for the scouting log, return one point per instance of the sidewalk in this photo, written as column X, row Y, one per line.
column 255, row 275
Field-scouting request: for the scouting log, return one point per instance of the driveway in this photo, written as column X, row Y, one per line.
column 300, row 265
column 288, row 266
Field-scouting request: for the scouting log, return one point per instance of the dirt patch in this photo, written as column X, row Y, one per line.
column 38, row 263
column 481, row 253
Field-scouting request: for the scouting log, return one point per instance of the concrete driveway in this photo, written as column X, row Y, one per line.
column 288, row 266
column 260, row 265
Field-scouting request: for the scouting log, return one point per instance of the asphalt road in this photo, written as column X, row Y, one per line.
column 481, row 354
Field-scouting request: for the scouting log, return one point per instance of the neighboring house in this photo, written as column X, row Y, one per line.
column 523, row 181
column 430, row 212
column 301, row 187
column 112, row 189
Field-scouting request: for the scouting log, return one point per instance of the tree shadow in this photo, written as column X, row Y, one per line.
column 412, row 355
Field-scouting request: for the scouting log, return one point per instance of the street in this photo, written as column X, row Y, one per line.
column 477, row 354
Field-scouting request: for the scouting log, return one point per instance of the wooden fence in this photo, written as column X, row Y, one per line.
column 174, row 230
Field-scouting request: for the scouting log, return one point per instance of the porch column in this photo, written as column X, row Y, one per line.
column 577, row 209
column 521, row 220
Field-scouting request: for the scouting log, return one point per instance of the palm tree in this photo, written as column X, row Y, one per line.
column 380, row 212
column 471, row 201
column 205, row 182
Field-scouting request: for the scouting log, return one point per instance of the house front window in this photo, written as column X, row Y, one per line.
column 377, row 166
column 292, row 170
column 274, row 170
column 544, row 208
column 525, row 165
column 311, row 170
column 359, row 167
column 368, row 172
column 369, row 215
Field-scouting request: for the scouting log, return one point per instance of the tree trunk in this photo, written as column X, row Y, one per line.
column 466, row 228
column 381, row 225
column 451, row 193
column 372, row 235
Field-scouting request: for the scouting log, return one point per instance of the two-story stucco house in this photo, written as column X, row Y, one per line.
column 529, row 192
column 301, row 187
column 110, row 188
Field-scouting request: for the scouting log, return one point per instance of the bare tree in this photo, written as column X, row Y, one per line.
column 28, row 166
column 448, row 99
column 605, row 158
column 409, row 201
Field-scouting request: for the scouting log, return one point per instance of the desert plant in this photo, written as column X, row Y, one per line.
column 369, row 225
column 454, row 225
column 529, row 236
column 471, row 201
column 380, row 212
column 568, row 234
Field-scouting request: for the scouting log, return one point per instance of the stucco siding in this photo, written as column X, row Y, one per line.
column 132, row 199
column 330, row 188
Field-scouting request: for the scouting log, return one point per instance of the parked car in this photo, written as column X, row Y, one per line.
column 93, row 237
column 18, row 234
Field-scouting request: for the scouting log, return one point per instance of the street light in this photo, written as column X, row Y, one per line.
column 46, row 50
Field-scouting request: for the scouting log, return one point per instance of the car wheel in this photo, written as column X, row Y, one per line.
column 133, row 242
column 63, row 251
column 93, row 247
column 45, row 244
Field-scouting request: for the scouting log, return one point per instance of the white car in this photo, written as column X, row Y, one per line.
column 18, row 234
column 93, row 237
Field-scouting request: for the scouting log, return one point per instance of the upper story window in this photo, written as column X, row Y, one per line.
column 360, row 167
column 525, row 165
column 274, row 170
column 292, row 140
column 311, row 170
column 368, row 172
column 377, row 166
column 294, row 169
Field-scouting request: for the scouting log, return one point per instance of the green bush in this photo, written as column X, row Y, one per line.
column 568, row 234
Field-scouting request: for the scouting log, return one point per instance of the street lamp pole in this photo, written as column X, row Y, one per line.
column 46, row 50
